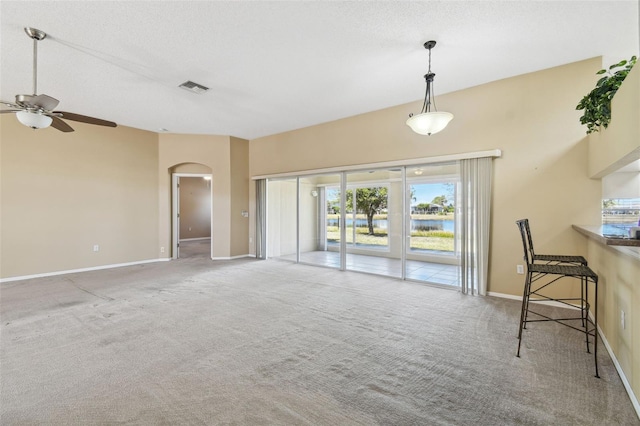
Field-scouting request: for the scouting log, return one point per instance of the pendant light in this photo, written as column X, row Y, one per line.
column 428, row 122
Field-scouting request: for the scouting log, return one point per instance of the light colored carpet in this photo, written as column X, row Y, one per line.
column 271, row 343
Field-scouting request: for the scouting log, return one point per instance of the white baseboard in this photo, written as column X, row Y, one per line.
column 73, row 271
column 625, row 382
column 504, row 295
column 233, row 257
column 541, row 302
column 603, row 339
column 97, row 268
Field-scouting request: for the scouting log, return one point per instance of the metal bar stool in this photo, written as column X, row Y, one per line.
column 556, row 269
column 553, row 259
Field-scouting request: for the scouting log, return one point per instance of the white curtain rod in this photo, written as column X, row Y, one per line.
column 397, row 163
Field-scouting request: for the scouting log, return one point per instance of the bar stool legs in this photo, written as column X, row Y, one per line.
column 595, row 330
column 587, row 326
column 554, row 268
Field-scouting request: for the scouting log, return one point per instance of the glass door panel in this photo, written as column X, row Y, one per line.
column 374, row 201
column 282, row 201
column 431, row 224
column 320, row 220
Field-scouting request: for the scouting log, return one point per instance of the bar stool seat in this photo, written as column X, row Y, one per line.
column 555, row 270
column 560, row 258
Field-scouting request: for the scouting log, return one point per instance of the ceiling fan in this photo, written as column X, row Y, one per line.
column 37, row 111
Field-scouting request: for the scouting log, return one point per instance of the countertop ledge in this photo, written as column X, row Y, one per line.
column 595, row 232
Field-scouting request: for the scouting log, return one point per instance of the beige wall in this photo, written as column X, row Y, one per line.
column 226, row 158
column 239, row 157
column 619, row 144
column 63, row 193
column 195, row 208
column 212, row 152
column 618, row 272
column 532, row 118
column 618, row 279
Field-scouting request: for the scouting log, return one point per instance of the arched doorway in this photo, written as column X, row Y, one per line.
column 191, row 213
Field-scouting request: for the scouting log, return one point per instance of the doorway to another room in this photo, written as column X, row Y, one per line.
column 192, row 218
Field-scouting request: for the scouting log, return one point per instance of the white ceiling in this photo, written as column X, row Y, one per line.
column 279, row 66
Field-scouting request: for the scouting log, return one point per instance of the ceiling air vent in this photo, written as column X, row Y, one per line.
column 193, row 87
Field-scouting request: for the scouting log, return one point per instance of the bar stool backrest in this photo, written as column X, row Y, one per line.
column 523, row 226
column 529, row 238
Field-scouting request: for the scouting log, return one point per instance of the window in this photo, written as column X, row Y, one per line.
column 402, row 221
column 619, row 215
column 366, row 216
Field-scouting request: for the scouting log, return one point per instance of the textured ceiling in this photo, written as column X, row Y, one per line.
column 279, row 66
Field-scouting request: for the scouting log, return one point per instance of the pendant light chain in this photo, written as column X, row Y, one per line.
column 431, row 94
column 426, row 106
column 35, row 67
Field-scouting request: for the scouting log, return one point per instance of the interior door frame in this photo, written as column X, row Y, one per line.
column 175, row 210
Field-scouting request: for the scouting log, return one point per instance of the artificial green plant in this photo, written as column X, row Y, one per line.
column 597, row 103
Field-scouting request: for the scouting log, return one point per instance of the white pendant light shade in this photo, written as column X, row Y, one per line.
column 429, row 123
column 34, row 120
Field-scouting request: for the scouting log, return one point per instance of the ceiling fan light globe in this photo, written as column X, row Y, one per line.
column 34, row 120
column 429, row 123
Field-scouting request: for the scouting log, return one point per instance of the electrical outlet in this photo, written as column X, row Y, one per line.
column 96, row 248
column 520, row 269
column 623, row 320
column 161, row 249
column 250, row 239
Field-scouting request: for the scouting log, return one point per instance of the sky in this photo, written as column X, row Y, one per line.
column 426, row 192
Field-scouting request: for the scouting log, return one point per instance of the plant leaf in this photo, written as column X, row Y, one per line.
column 596, row 104
column 619, row 64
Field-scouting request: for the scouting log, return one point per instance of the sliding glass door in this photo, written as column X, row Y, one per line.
column 385, row 224
column 373, row 220
column 282, row 199
column 319, row 220
column 432, row 223
column 406, row 222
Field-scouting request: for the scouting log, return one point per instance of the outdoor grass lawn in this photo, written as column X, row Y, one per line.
column 424, row 240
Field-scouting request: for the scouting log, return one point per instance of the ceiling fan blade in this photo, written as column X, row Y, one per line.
column 46, row 102
column 85, row 119
column 4, row 111
column 10, row 104
column 60, row 125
